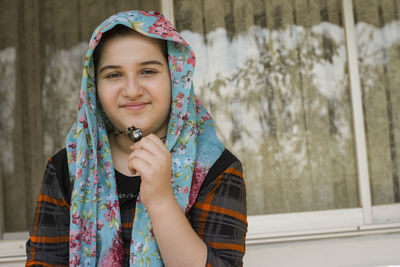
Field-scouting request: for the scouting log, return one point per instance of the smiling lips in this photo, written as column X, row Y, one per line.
column 135, row 106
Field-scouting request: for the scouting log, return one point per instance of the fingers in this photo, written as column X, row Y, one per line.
column 152, row 160
column 138, row 165
column 149, row 154
column 150, row 143
column 142, row 154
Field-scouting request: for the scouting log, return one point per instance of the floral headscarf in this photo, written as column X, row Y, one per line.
column 95, row 228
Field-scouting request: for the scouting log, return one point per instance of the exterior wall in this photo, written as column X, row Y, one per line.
column 374, row 250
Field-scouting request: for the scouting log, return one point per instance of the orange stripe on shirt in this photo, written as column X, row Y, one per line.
column 227, row 246
column 41, row 263
column 225, row 211
column 234, row 172
column 48, row 239
column 52, row 200
column 127, row 225
column 209, row 198
column 35, row 223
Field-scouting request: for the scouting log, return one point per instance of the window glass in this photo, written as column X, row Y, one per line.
column 42, row 45
column 377, row 26
column 273, row 74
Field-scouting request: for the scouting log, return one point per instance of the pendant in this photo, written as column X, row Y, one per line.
column 135, row 134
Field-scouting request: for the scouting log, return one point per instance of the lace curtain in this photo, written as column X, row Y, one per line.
column 274, row 77
column 42, row 45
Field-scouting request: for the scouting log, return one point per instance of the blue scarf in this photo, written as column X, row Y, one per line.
column 95, row 221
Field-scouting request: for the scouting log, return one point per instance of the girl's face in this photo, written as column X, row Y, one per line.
column 133, row 83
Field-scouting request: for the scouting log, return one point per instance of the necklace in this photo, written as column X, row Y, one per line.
column 135, row 134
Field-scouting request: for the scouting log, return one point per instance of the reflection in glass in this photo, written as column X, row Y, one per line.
column 274, row 76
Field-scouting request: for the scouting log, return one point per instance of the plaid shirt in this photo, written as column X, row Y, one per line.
column 218, row 216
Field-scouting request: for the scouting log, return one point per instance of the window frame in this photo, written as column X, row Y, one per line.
column 368, row 219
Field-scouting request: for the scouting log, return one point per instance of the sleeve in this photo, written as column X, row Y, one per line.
column 48, row 244
column 219, row 217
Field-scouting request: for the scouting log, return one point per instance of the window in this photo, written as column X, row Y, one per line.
column 313, row 123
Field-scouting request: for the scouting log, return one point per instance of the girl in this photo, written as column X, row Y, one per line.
column 175, row 196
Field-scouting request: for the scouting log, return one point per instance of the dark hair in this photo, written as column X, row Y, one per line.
column 118, row 31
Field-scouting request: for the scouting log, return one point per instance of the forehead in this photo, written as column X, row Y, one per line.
column 132, row 45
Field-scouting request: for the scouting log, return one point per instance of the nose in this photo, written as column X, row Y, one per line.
column 133, row 87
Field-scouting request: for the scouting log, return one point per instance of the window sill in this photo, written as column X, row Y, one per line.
column 324, row 234
column 322, row 225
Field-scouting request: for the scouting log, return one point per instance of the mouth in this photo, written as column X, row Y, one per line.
column 134, row 106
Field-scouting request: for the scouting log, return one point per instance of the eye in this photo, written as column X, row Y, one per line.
column 148, row 72
column 113, row 75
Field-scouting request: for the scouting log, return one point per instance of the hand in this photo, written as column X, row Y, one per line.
column 152, row 160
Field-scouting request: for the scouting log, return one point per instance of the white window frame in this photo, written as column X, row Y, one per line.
column 341, row 222
column 262, row 229
column 167, row 7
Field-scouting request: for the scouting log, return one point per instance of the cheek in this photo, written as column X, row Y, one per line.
column 106, row 95
column 167, row 98
column 107, row 103
column 162, row 90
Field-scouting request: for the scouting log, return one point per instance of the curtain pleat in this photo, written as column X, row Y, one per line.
column 8, row 44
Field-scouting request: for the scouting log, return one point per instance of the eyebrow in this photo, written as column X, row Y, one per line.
column 151, row 62
column 109, row 67
column 145, row 63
